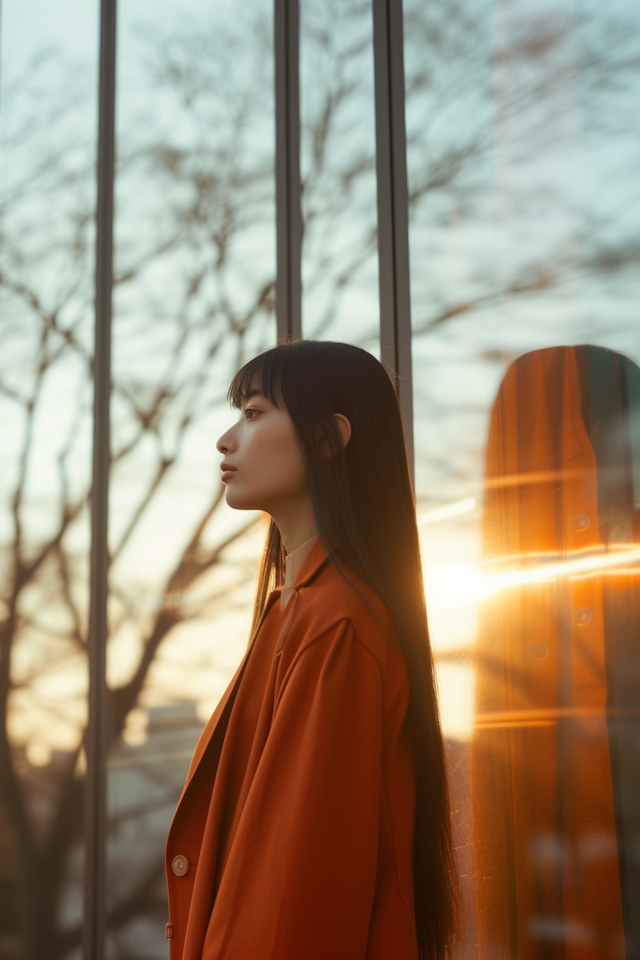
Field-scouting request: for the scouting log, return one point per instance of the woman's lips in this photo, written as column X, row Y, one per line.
column 227, row 471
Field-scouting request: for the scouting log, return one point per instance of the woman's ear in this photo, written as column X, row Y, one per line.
column 344, row 427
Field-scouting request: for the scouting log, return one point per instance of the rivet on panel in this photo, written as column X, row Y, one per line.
column 538, row 650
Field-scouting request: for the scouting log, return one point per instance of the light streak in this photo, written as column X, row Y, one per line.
column 438, row 514
column 547, row 716
column 469, row 504
column 459, row 584
column 592, row 563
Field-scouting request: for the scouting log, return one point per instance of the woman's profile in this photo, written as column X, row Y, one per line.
column 314, row 823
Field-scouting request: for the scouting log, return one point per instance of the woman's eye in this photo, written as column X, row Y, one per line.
column 249, row 414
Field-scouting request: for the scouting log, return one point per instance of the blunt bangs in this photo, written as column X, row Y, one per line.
column 262, row 375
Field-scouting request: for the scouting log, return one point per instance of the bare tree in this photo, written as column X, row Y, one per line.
column 522, row 149
column 182, row 327
column 194, row 297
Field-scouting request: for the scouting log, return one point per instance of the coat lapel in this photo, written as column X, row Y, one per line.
column 226, row 700
column 313, row 563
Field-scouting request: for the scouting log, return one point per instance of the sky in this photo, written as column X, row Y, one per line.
column 29, row 25
column 72, row 25
column 450, row 368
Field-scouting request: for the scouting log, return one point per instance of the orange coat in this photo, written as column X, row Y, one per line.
column 293, row 837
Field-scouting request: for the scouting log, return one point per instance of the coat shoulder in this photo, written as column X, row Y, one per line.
column 333, row 598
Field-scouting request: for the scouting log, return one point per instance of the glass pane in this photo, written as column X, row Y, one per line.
column 195, row 267
column 523, row 149
column 47, row 174
column 557, row 721
column 339, row 250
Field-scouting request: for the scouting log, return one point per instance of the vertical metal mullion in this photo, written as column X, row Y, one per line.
column 288, row 201
column 95, row 832
column 393, row 203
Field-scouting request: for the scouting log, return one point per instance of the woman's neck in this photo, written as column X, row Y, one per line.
column 296, row 523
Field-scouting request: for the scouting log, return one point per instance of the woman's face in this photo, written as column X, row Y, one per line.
column 263, row 467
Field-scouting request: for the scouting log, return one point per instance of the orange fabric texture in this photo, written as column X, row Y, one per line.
column 544, row 820
column 297, row 815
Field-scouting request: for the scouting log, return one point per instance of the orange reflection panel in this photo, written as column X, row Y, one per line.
column 544, row 818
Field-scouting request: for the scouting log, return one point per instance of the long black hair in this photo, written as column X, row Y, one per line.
column 365, row 514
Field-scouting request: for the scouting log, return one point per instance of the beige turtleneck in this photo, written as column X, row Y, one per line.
column 293, row 565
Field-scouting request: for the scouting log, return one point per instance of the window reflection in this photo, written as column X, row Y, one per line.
column 339, row 250
column 522, row 154
column 194, row 298
column 47, row 174
column 557, row 728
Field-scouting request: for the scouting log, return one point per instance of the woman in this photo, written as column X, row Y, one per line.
column 314, row 824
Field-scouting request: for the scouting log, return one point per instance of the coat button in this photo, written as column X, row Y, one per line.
column 180, row 866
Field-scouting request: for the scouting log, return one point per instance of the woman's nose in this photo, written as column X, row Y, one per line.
column 226, row 443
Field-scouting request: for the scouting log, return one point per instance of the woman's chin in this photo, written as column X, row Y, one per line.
column 237, row 501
